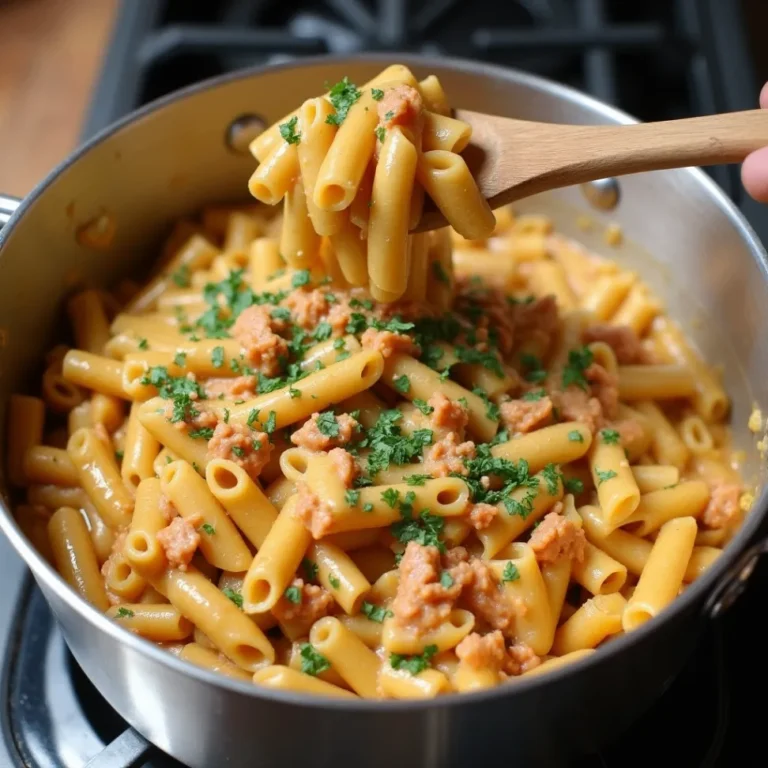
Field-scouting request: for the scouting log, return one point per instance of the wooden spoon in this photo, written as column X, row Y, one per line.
column 511, row 159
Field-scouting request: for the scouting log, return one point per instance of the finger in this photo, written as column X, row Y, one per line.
column 754, row 174
column 764, row 97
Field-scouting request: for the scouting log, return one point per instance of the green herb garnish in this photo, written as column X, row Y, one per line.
column 342, row 96
column 235, row 597
column 603, row 475
column 375, row 613
column 288, row 131
column 510, row 572
column 312, row 662
column 413, row 664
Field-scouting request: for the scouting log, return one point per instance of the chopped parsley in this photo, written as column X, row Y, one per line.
column 342, row 96
column 513, row 475
column 217, row 357
column 179, row 389
column 390, row 497
column 406, row 505
column 124, row 613
column 368, row 507
column 603, row 475
column 417, row 479
column 312, row 662
column 208, row 528
column 300, row 278
column 270, row 425
column 237, row 297
column 235, row 597
column 180, row 359
column 352, row 497
column 552, row 476
column 119, row 455
column 288, row 131
column 389, row 446
column 521, row 508
column 310, row 568
column 424, row 530
column 573, row 485
column 578, row 362
column 375, row 613
column 381, row 133
column 446, row 580
column 226, row 415
column 534, row 370
column 281, row 313
column 575, row 436
column 181, row 276
column 293, row 595
column 487, row 359
column 534, row 395
column 610, row 436
column 510, row 572
column 335, row 583
column 394, row 325
column 253, row 416
column 439, row 273
column 377, row 94
column 143, row 344
column 491, row 409
column 423, row 406
column 413, row 664
column 357, row 324
column 204, row 433
column 238, row 451
column 294, row 393
column 322, row 331
column 327, row 424
column 402, row 384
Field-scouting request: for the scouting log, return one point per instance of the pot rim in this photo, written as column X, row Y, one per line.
column 45, row 573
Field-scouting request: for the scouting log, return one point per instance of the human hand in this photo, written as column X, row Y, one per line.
column 754, row 171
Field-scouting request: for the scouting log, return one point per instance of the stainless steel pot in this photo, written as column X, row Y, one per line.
column 171, row 158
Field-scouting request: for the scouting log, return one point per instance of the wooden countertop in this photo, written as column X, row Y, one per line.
column 51, row 56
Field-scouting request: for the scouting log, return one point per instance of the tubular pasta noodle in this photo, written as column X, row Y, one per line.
column 351, row 415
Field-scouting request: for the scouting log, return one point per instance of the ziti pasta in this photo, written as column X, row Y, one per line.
column 331, row 457
column 353, row 169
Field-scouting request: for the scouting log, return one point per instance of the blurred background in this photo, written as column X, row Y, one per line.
column 69, row 68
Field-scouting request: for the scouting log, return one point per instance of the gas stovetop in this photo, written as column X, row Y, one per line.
column 657, row 59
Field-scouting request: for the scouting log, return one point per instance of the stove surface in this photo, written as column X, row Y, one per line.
column 657, row 59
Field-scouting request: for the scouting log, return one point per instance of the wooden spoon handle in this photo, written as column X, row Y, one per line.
column 616, row 150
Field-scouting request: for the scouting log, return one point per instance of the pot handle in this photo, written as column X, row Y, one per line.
column 735, row 580
column 8, row 205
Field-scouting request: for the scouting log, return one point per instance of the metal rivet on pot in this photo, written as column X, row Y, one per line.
column 242, row 131
column 602, row 193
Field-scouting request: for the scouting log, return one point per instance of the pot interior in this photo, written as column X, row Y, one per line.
column 682, row 235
